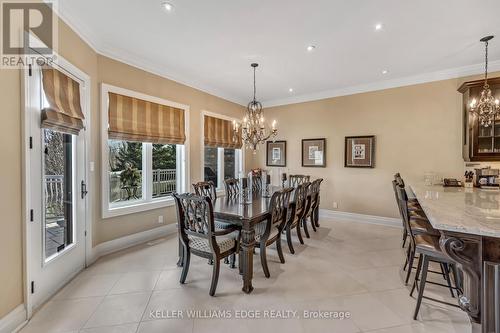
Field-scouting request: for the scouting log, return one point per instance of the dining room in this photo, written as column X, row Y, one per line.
column 187, row 166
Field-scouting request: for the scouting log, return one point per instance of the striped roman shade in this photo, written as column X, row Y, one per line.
column 64, row 113
column 133, row 119
column 219, row 133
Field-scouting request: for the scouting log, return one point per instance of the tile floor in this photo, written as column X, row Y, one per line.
column 345, row 266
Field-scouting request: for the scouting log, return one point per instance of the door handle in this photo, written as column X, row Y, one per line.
column 83, row 189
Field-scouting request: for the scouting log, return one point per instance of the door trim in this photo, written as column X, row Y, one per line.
column 84, row 80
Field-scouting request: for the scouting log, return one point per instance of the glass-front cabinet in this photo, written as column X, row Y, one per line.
column 479, row 143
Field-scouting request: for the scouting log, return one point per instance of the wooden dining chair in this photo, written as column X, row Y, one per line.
column 199, row 236
column 256, row 183
column 206, row 189
column 232, row 187
column 294, row 180
column 296, row 211
column 269, row 232
column 312, row 213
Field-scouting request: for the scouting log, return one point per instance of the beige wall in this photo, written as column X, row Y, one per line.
column 100, row 69
column 119, row 74
column 11, row 251
column 417, row 129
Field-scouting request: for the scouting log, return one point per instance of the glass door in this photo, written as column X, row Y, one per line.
column 58, row 200
column 57, row 176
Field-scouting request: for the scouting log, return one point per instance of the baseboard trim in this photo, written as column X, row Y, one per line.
column 362, row 218
column 14, row 320
column 131, row 240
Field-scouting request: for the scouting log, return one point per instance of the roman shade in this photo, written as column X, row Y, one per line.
column 64, row 113
column 219, row 133
column 134, row 119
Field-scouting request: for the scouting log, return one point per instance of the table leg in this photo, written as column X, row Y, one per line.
column 467, row 252
column 247, row 248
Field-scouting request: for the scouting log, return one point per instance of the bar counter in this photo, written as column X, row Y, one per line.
column 469, row 222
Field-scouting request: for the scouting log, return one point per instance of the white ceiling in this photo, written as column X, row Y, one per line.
column 210, row 44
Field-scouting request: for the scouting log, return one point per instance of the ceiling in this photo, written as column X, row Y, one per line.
column 209, row 45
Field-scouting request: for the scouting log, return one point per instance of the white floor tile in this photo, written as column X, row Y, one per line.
column 119, row 309
column 344, row 267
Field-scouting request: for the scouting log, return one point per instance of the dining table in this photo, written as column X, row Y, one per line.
column 245, row 215
column 231, row 209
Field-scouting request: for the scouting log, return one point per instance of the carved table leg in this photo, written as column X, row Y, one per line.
column 466, row 250
column 247, row 248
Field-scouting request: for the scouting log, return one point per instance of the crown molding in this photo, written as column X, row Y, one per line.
column 387, row 84
column 101, row 48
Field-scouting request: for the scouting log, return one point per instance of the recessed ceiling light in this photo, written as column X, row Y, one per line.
column 311, row 48
column 385, row 71
column 378, row 26
column 290, row 90
column 167, row 6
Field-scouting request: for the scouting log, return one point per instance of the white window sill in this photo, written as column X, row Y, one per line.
column 138, row 207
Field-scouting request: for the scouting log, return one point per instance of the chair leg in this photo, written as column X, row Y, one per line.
column 410, row 266
column 407, row 258
column 443, row 269
column 448, row 281
column 232, row 260
column 312, row 223
column 185, row 264
column 263, row 260
column 405, row 236
column 280, row 250
column 316, row 216
column 456, row 278
column 417, row 274
column 289, row 239
column 181, row 254
column 306, row 231
column 215, row 277
column 299, row 233
column 423, row 278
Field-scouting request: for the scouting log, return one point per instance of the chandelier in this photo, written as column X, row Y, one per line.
column 253, row 127
column 488, row 107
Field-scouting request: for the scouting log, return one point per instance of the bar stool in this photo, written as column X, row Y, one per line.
column 426, row 246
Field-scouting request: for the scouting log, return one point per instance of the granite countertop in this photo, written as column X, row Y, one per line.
column 466, row 210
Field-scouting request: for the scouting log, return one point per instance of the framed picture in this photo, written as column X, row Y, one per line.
column 314, row 153
column 276, row 153
column 359, row 151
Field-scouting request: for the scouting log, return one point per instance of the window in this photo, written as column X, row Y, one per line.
column 220, row 163
column 127, row 160
column 211, row 164
column 229, row 163
column 140, row 175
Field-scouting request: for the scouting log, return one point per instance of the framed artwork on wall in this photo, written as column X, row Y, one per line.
column 314, row 152
column 276, row 153
column 359, row 151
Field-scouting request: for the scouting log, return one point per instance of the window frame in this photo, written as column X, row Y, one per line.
column 239, row 154
column 182, row 160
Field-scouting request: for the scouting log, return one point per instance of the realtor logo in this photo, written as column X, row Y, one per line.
column 29, row 33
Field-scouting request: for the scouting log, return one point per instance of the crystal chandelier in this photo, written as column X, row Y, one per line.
column 253, row 127
column 488, row 107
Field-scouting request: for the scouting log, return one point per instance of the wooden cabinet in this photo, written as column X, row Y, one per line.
column 479, row 143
